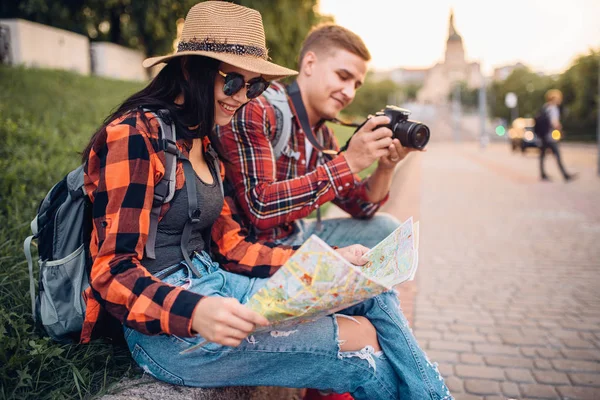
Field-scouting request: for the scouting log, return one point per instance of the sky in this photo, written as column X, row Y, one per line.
column 546, row 35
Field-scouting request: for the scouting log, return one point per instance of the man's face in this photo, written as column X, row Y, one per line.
column 332, row 80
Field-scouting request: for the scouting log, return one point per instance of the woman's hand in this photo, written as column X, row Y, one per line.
column 354, row 253
column 224, row 320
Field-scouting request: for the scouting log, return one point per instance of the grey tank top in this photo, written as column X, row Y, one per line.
column 170, row 227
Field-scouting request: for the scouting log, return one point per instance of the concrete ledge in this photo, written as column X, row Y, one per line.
column 113, row 61
column 35, row 45
column 148, row 388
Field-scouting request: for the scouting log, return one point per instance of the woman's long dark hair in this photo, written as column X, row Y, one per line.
column 192, row 76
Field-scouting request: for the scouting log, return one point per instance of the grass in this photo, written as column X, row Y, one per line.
column 46, row 119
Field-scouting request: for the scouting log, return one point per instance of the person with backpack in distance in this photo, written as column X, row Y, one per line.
column 153, row 182
column 546, row 121
column 282, row 164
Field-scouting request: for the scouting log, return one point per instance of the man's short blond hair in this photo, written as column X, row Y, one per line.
column 326, row 37
column 554, row 94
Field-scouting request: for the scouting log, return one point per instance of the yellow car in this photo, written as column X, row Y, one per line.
column 522, row 137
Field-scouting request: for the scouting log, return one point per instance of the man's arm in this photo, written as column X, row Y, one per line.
column 554, row 115
column 370, row 194
column 251, row 168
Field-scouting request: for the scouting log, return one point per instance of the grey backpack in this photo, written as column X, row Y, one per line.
column 62, row 228
column 283, row 117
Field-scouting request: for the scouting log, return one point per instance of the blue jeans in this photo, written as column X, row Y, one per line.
column 344, row 232
column 306, row 356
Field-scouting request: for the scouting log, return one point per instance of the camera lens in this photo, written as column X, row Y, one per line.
column 419, row 136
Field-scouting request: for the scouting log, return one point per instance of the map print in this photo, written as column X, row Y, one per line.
column 318, row 281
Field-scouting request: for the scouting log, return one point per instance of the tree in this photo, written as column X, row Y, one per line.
column 468, row 96
column 579, row 85
column 286, row 24
column 529, row 87
column 371, row 97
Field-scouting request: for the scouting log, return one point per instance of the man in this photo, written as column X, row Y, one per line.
column 267, row 199
column 551, row 109
column 276, row 195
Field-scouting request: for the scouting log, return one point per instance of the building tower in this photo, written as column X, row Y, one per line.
column 455, row 52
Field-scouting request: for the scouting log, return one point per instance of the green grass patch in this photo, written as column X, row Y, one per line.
column 46, row 119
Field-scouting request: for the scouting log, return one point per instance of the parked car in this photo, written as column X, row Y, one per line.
column 522, row 136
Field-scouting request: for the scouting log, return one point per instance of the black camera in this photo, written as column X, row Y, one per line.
column 410, row 133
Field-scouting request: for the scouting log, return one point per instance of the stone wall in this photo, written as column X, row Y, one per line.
column 113, row 61
column 40, row 46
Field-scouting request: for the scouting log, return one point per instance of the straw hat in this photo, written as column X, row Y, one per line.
column 227, row 32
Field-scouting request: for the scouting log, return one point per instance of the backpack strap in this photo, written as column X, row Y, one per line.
column 283, row 116
column 165, row 189
column 214, row 159
column 27, row 250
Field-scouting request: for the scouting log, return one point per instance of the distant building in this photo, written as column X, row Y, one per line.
column 441, row 78
column 403, row 75
column 501, row 73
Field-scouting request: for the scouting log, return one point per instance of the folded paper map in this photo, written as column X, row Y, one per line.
column 318, row 281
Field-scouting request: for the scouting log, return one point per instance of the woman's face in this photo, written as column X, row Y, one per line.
column 226, row 106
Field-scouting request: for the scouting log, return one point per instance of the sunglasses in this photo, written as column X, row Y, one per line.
column 234, row 82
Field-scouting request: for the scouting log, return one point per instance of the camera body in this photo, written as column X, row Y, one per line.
column 410, row 133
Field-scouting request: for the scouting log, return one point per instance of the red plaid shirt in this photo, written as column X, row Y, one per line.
column 273, row 194
column 122, row 170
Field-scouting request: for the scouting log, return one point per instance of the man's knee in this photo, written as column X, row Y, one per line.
column 385, row 222
column 356, row 332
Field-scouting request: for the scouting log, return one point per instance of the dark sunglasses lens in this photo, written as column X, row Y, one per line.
column 256, row 88
column 233, row 84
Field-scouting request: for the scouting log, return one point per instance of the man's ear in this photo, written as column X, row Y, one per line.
column 308, row 63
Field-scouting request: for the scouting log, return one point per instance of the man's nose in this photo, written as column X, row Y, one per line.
column 349, row 91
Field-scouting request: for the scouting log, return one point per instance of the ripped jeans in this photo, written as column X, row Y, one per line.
column 308, row 355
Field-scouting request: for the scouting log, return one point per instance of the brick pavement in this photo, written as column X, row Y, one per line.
column 508, row 287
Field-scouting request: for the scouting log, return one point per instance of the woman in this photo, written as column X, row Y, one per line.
column 168, row 304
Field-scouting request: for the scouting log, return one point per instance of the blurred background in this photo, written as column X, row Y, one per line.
column 507, row 297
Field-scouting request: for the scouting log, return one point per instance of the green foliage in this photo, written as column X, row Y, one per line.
column 529, row 88
column 469, row 97
column 579, row 85
column 371, row 97
column 46, row 119
column 286, row 24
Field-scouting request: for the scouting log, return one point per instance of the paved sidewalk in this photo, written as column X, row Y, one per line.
column 508, row 288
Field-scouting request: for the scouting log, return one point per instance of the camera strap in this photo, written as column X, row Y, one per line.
column 294, row 93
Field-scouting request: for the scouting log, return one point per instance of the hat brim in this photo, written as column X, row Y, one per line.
column 268, row 70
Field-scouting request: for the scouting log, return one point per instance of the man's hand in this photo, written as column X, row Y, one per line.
column 224, row 320
column 354, row 253
column 369, row 144
column 396, row 153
